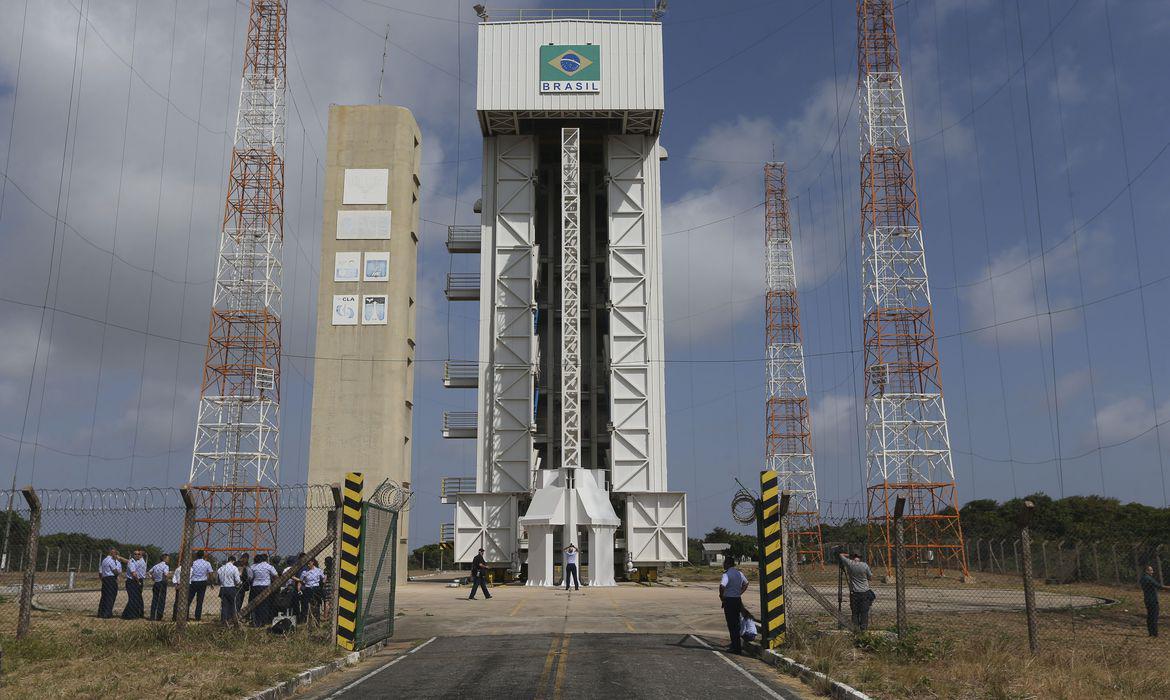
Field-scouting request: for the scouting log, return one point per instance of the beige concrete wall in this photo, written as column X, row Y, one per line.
column 363, row 385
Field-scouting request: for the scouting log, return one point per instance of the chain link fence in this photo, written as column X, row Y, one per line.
column 53, row 543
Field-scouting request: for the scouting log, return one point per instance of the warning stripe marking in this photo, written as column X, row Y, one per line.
column 348, row 592
column 773, row 558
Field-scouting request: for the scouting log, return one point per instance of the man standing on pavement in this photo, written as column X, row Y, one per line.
column 197, row 587
column 731, row 589
column 861, row 596
column 1150, row 588
column 229, row 585
column 571, row 567
column 479, row 576
column 135, row 575
column 158, row 589
column 108, row 572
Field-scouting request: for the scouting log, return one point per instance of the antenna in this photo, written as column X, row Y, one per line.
column 382, row 76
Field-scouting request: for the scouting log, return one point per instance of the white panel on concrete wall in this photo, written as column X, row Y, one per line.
column 373, row 309
column 345, row 309
column 488, row 521
column 363, row 225
column 656, row 527
column 366, row 186
column 347, row 266
column 377, row 267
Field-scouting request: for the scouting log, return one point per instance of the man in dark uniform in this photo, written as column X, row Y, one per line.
column 135, row 575
column 479, row 576
column 108, row 572
column 158, row 589
column 1150, row 588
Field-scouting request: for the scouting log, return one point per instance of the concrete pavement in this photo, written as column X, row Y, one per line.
column 556, row 666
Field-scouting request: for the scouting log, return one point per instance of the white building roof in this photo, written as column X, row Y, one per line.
column 715, row 546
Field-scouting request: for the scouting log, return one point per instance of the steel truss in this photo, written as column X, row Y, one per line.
column 570, row 299
column 236, row 464
column 907, row 445
column 789, row 441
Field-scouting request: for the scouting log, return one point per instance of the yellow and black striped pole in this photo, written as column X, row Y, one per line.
column 771, row 561
column 349, row 588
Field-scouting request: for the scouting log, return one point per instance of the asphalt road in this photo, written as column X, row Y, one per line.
column 564, row 666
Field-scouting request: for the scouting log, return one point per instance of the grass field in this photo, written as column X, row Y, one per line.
column 69, row 655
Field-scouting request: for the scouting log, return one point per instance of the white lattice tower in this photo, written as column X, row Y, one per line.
column 570, row 299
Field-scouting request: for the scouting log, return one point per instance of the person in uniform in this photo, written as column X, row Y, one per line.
column 244, row 564
column 479, row 576
column 571, row 567
column 1150, row 588
column 108, row 572
column 197, row 588
column 135, row 576
column 158, row 590
column 311, row 579
column 262, row 575
column 731, row 590
column 229, row 585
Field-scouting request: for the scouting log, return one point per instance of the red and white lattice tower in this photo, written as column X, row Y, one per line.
column 908, row 450
column 235, row 466
column 789, row 441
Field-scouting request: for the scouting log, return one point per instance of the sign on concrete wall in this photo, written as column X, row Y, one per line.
column 363, row 225
column 374, row 310
column 570, row 68
column 377, row 267
column 365, row 186
column 346, row 266
column 345, row 310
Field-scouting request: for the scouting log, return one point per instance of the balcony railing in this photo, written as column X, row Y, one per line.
column 462, row 286
column 460, row 374
column 459, row 424
column 452, row 486
column 463, row 239
column 447, row 533
column 600, row 15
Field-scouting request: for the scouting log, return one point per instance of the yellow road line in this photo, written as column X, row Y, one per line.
column 558, row 685
column 516, row 609
column 548, row 662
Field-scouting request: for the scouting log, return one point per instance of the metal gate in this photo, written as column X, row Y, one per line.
column 377, row 563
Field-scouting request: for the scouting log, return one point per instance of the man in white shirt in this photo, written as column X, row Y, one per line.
column 200, row 569
column 108, row 572
column 731, row 589
column 262, row 575
column 135, row 575
column 229, row 583
column 571, row 567
column 311, row 579
column 158, row 589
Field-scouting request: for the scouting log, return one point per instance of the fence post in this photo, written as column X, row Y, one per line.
column 182, row 603
column 978, row 555
column 1044, row 556
column 1158, row 564
column 26, row 586
column 335, row 531
column 900, row 565
column 1016, row 554
column 1096, row 564
column 1025, row 519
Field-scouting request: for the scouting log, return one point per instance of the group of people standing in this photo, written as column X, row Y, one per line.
column 237, row 578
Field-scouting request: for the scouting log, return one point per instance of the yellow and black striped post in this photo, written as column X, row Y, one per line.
column 349, row 588
column 771, row 561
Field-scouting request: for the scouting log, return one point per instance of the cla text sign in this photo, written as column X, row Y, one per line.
column 570, row 68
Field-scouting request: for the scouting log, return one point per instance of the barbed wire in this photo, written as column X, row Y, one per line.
column 392, row 496
column 743, row 506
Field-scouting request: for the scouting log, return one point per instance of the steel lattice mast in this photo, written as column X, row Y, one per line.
column 907, row 445
column 236, row 458
column 789, row 441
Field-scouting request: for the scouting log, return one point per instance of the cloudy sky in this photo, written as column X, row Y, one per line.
column 1040, row 139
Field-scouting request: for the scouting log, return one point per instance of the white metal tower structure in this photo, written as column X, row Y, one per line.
column 236, row 455
column 571, row 423
column 789, row 428
column 908, row 451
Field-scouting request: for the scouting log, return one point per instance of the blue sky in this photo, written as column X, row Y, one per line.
column 1038, row 126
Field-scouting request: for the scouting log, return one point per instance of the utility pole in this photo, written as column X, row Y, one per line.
column 235, row 466
column 908, row 452
column 789, row 428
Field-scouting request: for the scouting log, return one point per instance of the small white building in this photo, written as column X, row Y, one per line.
column 714, row 552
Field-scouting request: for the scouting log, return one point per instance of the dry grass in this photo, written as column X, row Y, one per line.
column 79, row 656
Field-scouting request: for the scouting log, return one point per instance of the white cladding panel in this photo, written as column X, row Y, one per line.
column 656, row 527
column 488, row 521
column 509, row 65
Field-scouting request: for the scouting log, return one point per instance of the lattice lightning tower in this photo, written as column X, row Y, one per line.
column 789, row 442
column 908, row 450
column 236, row 456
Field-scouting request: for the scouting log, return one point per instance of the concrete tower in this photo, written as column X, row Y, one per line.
column 570, row 427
